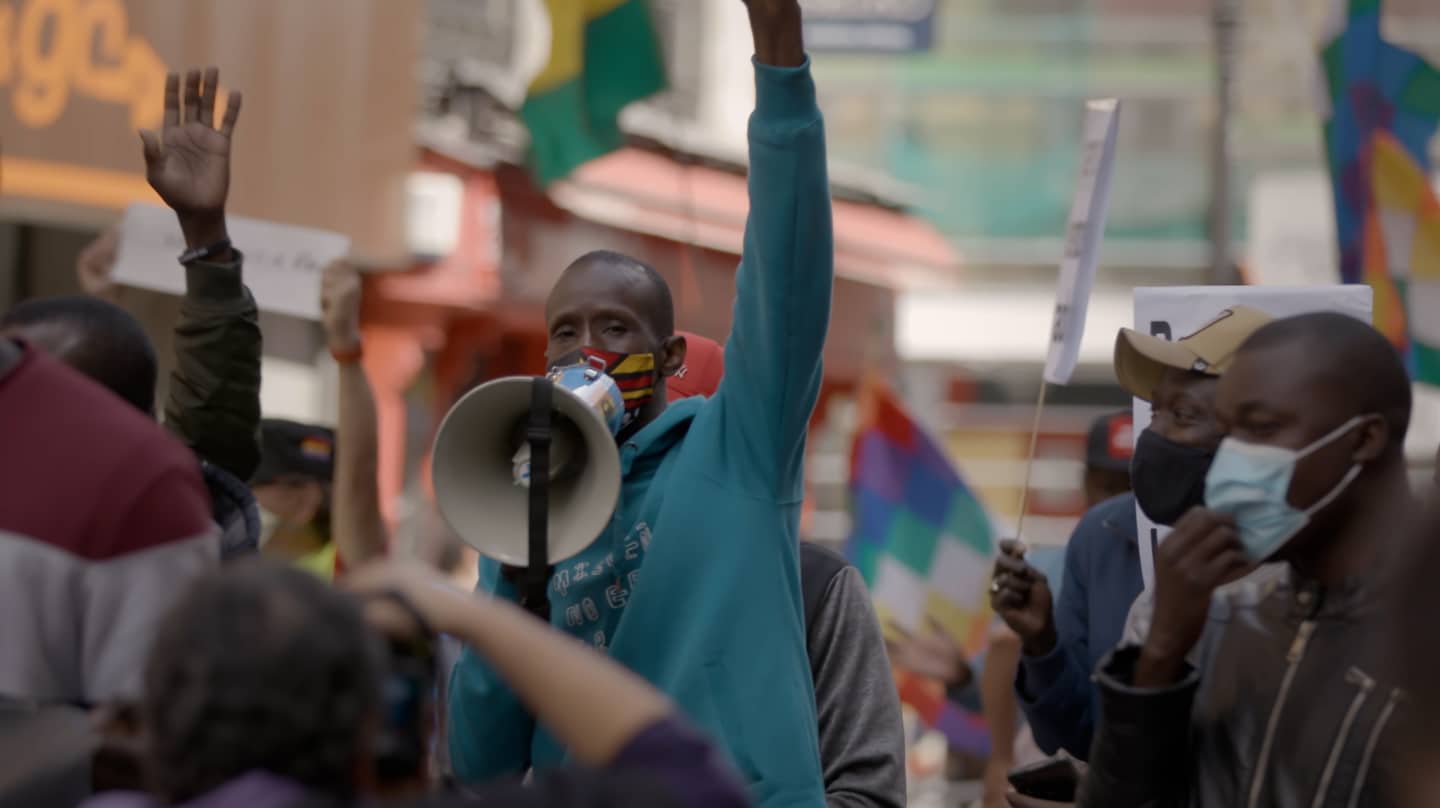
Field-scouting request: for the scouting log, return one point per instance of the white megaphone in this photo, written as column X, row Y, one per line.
column 481, row 464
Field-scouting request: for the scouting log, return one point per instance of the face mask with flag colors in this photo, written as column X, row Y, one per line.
column 633, row 373
column 615, row 385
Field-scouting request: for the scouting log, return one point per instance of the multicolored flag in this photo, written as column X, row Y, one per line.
column 1375, row 91
column 604, row 54
column 1402, row 255
column 924, row 545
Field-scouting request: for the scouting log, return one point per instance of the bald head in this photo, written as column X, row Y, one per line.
column 1346, row 360
column 626, row 278
column 611, row 302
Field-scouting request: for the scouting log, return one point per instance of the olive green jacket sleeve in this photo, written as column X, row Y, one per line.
column 213, row 403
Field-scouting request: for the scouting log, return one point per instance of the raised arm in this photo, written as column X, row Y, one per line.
column 1141, row 755
column 1053, row 684
column 592, row 704
column 356, row 523
column 783, row 285
column 213, row 403
column 997, row 704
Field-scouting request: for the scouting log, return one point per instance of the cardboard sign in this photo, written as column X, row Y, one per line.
column 1082, row 240
column 1178, row 311
column 282, row 262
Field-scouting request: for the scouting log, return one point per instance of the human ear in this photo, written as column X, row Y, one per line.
column 1374, row 439
column 672, row 355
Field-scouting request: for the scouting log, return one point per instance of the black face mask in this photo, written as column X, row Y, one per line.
column 1168, row 478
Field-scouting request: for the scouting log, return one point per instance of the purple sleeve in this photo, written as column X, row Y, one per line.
column 685, row 760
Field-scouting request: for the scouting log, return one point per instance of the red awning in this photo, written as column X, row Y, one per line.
column 650, row 193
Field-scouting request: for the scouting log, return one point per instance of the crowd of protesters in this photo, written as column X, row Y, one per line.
column 197, row 608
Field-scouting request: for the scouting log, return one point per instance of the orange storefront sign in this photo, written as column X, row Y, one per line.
column 324, row 140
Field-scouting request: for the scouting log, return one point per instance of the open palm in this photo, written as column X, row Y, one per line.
column 188, row 161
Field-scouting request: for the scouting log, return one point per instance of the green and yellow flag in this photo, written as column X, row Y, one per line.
column 603, row 55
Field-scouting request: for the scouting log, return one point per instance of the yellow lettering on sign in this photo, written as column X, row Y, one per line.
column 79, row 185
column 50, row 48
column 7, row 35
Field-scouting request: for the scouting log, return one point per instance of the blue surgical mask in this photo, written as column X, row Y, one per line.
column 1251, row 483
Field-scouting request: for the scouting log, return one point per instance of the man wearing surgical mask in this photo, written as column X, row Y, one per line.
column 292, row 488
column 1102, row 559
column 1271, row 694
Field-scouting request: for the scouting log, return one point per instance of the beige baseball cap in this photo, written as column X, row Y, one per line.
column 1141, row 359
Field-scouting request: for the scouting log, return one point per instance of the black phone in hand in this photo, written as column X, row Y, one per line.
column 1055, row 779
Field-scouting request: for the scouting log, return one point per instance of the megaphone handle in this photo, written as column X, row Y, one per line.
column 533, row 596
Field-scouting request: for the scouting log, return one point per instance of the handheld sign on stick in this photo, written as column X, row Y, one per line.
column 1077, row 270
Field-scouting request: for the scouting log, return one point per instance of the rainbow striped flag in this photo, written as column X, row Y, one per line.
column 604, row 54
column 924, row 544
column 1402, row 255
column 1373, row 86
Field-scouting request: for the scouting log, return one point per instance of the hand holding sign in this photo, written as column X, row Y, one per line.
column 188, row 161
column 1021, row 596
column 1077, row 269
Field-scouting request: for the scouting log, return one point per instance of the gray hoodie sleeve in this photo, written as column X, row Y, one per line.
column 862, row 738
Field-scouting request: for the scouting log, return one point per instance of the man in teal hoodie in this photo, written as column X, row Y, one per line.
column 712, row 487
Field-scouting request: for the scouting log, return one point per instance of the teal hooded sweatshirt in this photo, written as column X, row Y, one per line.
column 695, row 585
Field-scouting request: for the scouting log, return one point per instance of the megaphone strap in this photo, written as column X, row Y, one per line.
column 533, row 596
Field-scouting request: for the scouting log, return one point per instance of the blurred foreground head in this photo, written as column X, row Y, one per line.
column 1415, row 659
column 262, row 668
column 93, row 336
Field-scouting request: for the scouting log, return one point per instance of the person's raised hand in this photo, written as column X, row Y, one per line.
column 188, row 161
column 340, row 287
column 1201, row 554
column 775, row 26
column 95, row 265
column 422, row 586
column 931, row 653
column 1021, row 596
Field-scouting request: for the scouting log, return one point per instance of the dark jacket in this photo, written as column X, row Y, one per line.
column 1102, row 580
column 1282, row 706
column 862, row 737
column 213, row 401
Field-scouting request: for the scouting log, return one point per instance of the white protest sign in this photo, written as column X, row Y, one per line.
column 1082, row 239
column 282, row 262
column 1174, row 312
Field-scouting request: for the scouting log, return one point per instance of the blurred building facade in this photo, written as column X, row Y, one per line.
column 953, row 163
column 986, row 124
